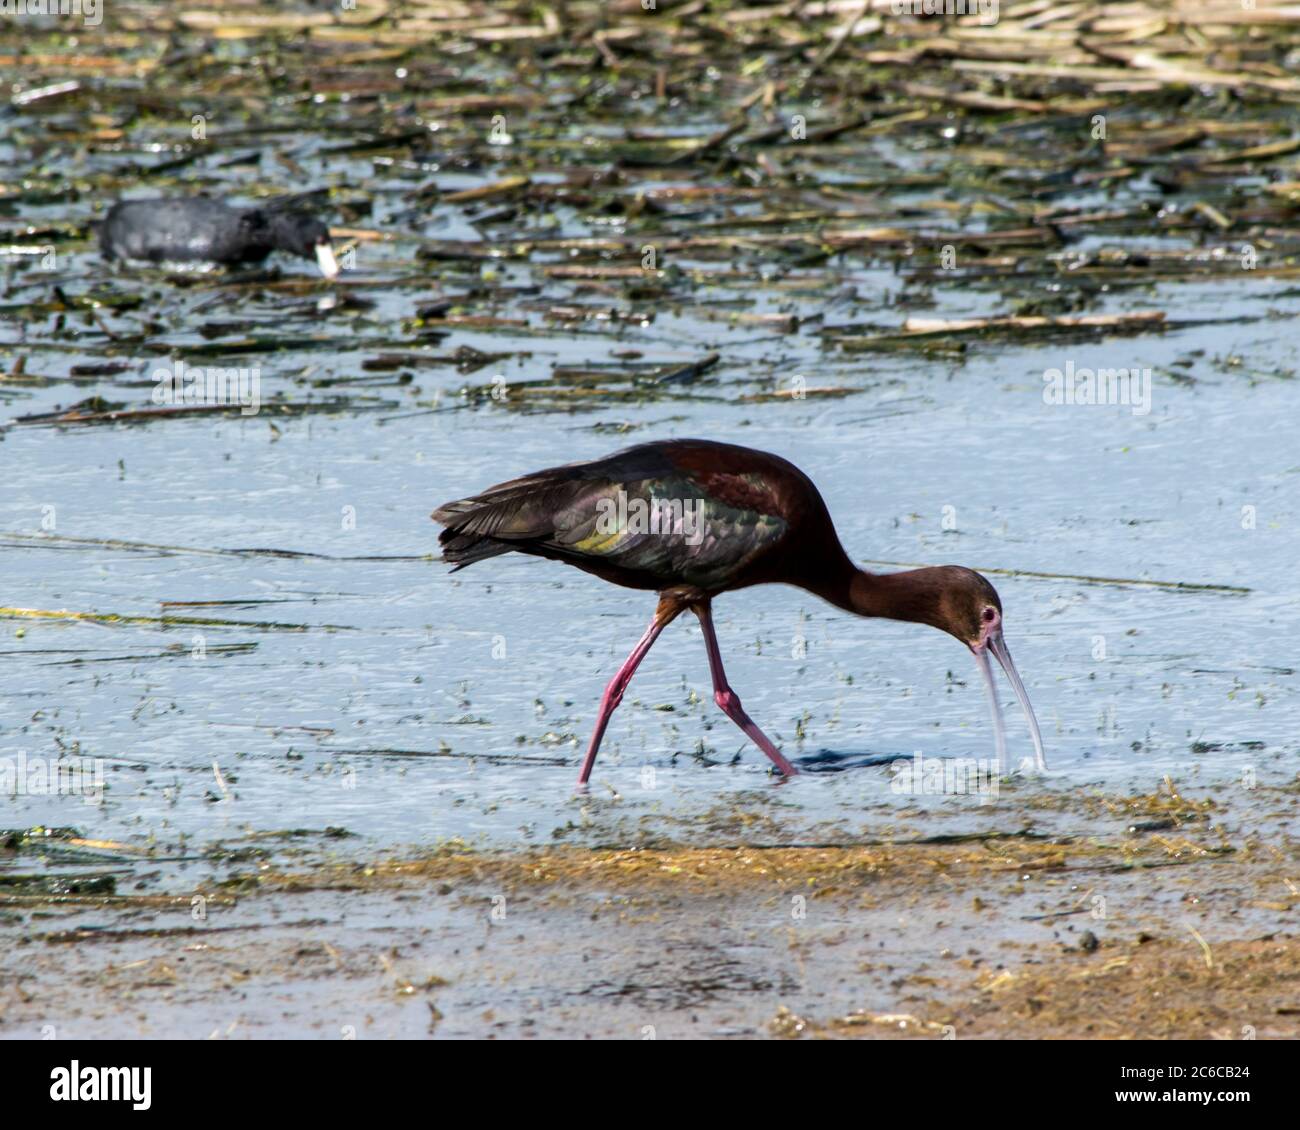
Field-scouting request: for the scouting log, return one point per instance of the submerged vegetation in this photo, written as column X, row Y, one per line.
column 527, row 170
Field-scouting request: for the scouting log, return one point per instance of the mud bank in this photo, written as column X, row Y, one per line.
column 1178, row 924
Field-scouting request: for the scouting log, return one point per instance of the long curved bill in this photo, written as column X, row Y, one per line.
column 997, row 645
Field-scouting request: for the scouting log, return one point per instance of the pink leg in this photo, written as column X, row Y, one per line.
column 618, row 684
column 726, row 698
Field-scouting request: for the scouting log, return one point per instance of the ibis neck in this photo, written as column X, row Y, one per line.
column 912, row 595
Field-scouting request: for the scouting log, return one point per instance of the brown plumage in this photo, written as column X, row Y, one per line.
column 691, row 519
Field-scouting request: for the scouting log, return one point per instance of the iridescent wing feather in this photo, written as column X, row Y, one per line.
column 632, row 516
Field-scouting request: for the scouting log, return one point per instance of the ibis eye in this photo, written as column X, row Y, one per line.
column 989, row 615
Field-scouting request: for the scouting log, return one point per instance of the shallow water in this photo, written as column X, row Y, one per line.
column 415, row 706
column 507, row 660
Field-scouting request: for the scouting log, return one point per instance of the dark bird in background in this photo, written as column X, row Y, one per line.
column 691, row 519
column 200, row 229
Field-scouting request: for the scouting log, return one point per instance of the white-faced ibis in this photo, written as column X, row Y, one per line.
column 200, row 229
column 691, row 519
